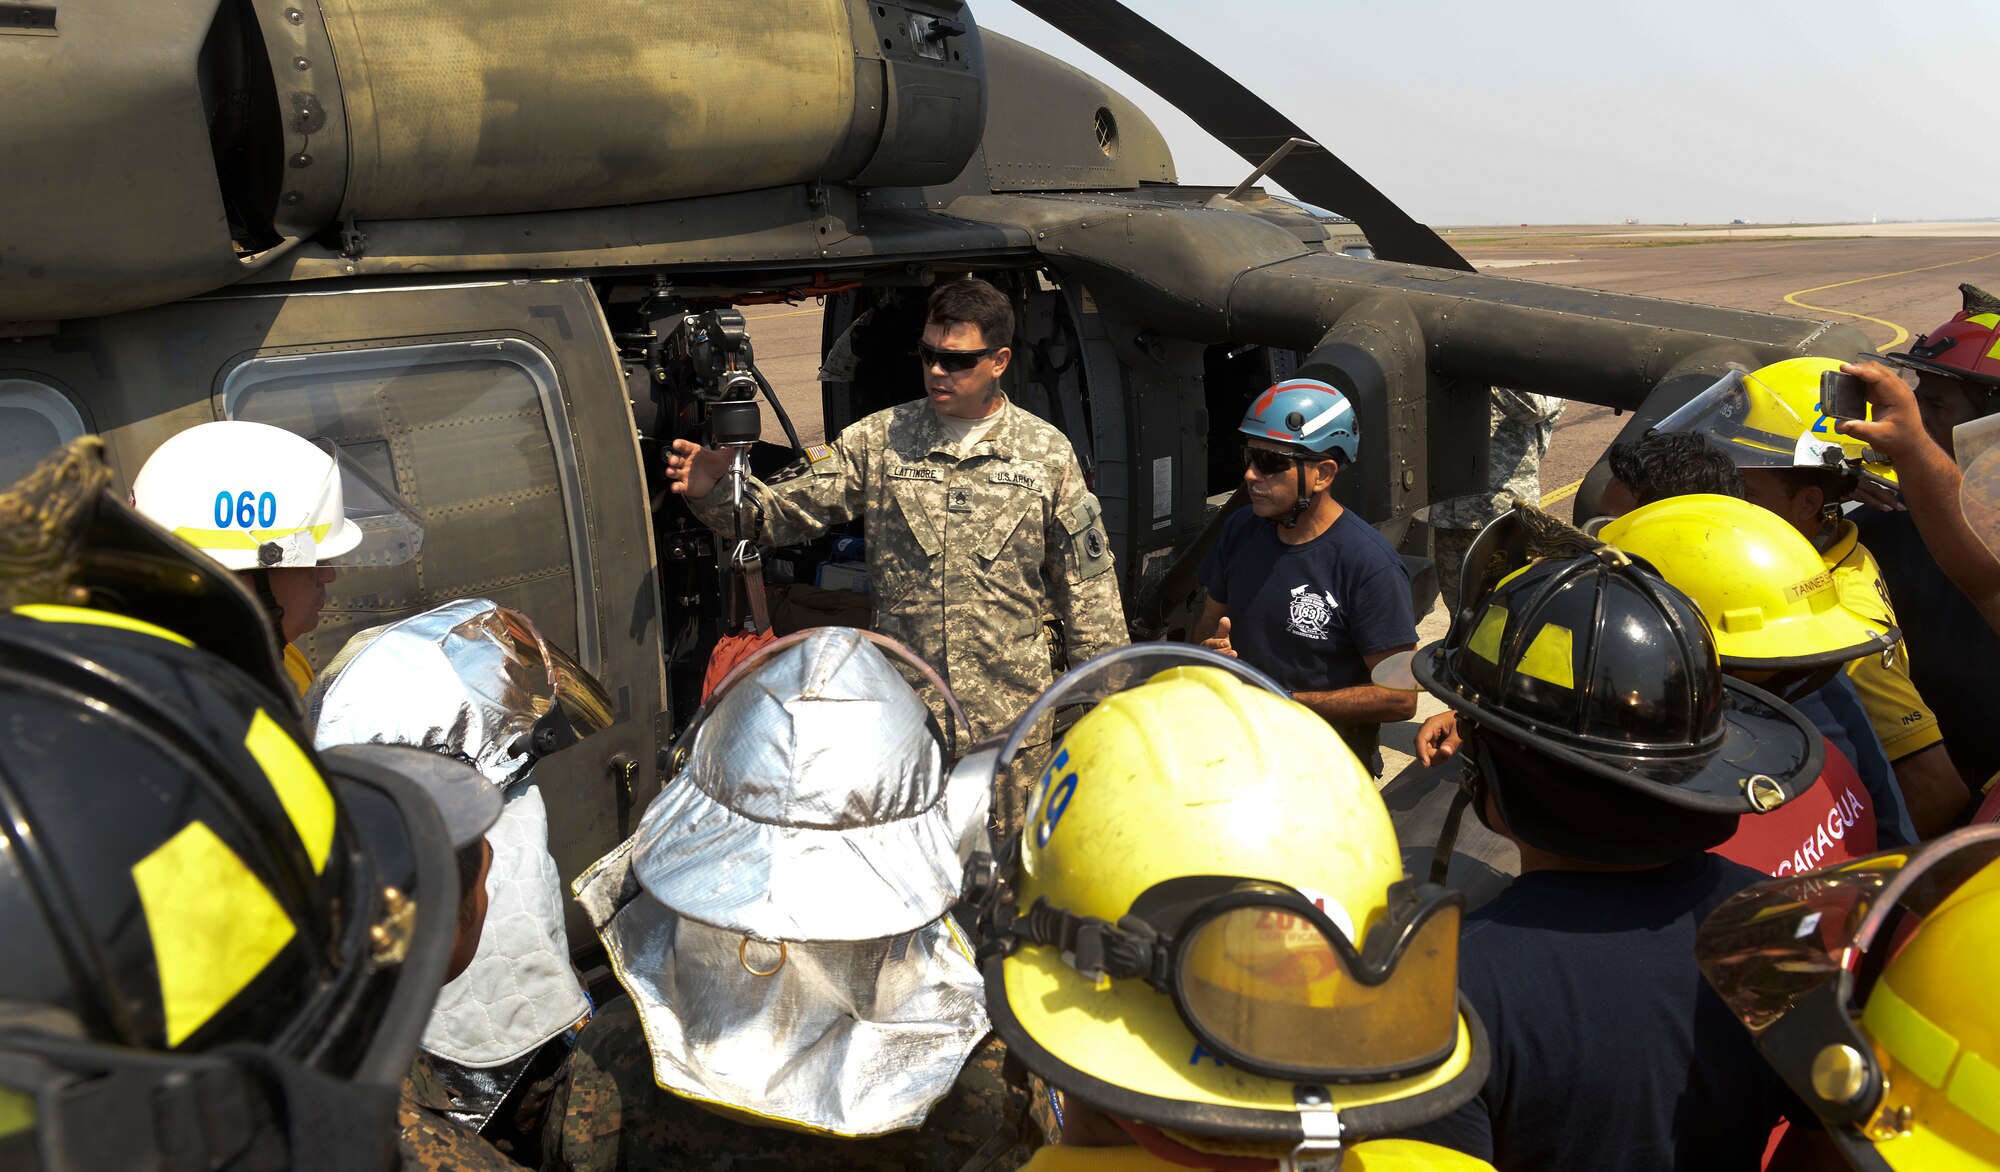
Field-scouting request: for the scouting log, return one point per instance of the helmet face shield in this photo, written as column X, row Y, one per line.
column 1977, row 445
column 1759, row 425
column 1807, row 963
column 1114, row 672
column 386, row 529
column 1722, row 414
column 583, row 700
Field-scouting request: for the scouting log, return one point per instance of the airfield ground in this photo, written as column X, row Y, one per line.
column 1889, row 280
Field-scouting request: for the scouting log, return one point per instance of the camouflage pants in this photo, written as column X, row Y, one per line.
column 1449, row 547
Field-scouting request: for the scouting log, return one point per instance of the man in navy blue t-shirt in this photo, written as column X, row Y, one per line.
column 1299, row 588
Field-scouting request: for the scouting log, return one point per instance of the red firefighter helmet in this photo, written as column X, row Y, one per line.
column 1966, row 347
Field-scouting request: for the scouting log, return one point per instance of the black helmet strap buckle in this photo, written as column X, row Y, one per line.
column 95, row 1103
column 1299, row 498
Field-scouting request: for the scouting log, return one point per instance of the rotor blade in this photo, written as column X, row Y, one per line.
column 1245, row 123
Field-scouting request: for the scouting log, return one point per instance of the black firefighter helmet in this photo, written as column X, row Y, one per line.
column 221, row 947
column 1598, row 715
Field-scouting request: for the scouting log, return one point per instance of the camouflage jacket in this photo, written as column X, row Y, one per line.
column 430, row 1141
column 966, row 551
column 615, row 1118
column 1521, row 425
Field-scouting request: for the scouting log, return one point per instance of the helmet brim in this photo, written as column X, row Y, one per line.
column 1762, row 737
column 713, row 864
column 1125, row 1050
column 344, row 536
column 1984, row 382
column 402, row 836
column 1846, row 635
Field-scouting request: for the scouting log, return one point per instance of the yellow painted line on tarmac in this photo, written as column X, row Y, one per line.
column 1563, row 493
column 787, row 313
column 1902, row 335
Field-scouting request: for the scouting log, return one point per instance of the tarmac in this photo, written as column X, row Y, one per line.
column 1892, row 281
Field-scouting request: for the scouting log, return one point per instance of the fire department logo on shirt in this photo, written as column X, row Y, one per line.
column 1311, row 614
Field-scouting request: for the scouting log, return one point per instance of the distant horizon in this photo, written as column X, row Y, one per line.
column 1572, row 112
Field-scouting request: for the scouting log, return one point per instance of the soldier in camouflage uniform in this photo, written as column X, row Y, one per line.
column 977, row 516
column 614, row 1118
column 1521, row 425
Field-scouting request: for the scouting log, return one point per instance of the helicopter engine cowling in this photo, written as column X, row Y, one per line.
column 537, row 106
column 157, row 152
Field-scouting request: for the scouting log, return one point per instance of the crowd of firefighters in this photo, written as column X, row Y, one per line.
column 914, row 898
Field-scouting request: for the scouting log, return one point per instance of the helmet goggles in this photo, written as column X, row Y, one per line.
column 1270, row 982
column 1799, row 960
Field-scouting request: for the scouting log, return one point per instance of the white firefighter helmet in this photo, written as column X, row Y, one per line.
column 253, row 496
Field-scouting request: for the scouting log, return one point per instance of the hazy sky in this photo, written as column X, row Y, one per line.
column 1564, row 111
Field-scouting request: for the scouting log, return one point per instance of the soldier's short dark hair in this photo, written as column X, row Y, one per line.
column 1658, row 465
column 975, row 303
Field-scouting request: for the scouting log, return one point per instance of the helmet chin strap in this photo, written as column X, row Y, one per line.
column 261, row 580
column 1299, row 499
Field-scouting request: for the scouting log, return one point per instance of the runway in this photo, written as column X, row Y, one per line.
column 1890, row 288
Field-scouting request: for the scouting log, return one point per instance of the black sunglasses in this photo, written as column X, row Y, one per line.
column 951, row 360
column 1269, row 462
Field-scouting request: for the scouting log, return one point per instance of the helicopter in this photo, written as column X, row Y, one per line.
column 498, row 253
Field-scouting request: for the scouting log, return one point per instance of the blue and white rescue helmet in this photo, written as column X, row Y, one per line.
column 1308, row 414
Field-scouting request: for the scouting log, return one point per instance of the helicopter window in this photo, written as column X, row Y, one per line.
column 35, row 418
column 472, row 434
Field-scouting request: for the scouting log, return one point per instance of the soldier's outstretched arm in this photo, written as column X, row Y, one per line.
column 1079, row 572
column 818, row 490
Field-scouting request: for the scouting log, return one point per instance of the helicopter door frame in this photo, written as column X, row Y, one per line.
column 142, row 377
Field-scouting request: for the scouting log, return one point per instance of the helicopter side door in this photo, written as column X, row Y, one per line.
column 496, row 408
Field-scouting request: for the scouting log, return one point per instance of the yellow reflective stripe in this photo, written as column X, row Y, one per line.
column 244, row 538
column 1975, row 1090
column 50, row 613
column 299, row 786
column 17, row 1112
column 1485, row 641
column 214, row 925
column 1990, row 320
column 1549, row 657
column 1911, row 1038
column 1994, row 350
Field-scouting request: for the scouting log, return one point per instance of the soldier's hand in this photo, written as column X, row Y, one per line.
column 1438, row 739
column 693, row 470
column 1221, row 640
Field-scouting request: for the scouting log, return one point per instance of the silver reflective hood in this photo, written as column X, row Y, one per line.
column 844, row 1038
column 814, row 804
column 453, row 679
